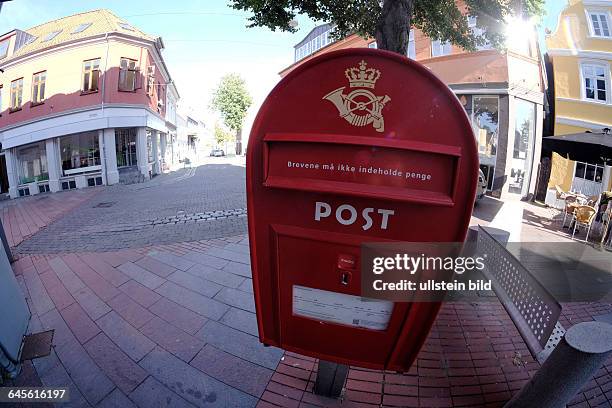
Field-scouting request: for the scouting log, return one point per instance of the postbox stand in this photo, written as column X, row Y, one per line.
column 330, row 379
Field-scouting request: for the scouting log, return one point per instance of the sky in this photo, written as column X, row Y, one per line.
column 204, row 40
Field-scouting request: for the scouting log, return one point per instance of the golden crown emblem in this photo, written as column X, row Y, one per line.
column 362, row 77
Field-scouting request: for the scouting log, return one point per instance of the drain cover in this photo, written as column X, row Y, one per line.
column 104, row 204
column 37, row 345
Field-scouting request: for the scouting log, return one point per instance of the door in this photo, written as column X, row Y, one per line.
column 522, row 155
column 4, row 184
column 125, row 144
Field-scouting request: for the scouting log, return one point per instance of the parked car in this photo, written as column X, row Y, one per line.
column 481, row 189
column 217, row 153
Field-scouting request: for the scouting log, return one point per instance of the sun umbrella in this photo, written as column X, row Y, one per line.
column 590, row 147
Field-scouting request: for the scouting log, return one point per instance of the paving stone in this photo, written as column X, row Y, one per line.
column 132, row 312
column 238, row 269
column 79, row 323
column 93, row 305
column 239, row 257
column 54, row 375
column 240, row 344
column 247, row 286
column 131, row 341
column 91, row 381
column 153, row 394
column 72, row 282
column 195, row 302
column 196, row 284
column 38, row 294
column 56, row 290
column 237, row 298
column 231, row 370
column 241, row 320
column 105, row 270
column 193, row 385
column 141, row 275
column 179, row 316
column 95, row 282
column 116, row 399
column 221, row 277
column 171, row 260
column 206, row 260
column 179, row 343
column 141, row 294
column 126, row 374
column 157, row 267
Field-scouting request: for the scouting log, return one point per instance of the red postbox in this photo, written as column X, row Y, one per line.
column 354, row 146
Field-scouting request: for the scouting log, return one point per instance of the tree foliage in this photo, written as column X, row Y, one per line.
column 222, row 136
column 389, row 21
column 232, row 100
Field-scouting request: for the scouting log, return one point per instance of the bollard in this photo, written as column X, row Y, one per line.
column 330, row 379
column 574, row 361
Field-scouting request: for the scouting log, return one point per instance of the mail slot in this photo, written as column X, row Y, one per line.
column 354, row 146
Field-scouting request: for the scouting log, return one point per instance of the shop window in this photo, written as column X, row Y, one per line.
column 79, row 152
column 38, row 87
column 522, row 155
column 68, row 185
column 32, row 163
column 127, row 74
column 485, row 122
column 411, row 45
column 149, row 147
column 43, row 188
column 91, row 75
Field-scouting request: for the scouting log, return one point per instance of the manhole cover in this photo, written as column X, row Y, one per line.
column 37, row 345
column 104, row 204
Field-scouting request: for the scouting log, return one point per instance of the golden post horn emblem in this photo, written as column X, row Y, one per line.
column 360, row 107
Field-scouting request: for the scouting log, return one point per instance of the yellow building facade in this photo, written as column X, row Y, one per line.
column 580, row 53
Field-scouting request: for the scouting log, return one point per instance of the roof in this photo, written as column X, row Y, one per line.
column 102, row 21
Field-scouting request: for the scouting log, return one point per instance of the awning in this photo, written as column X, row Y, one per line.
column 590, row 147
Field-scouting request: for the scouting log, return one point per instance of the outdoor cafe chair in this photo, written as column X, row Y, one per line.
column 561, row 195
column 570, row 206
column 583, row 217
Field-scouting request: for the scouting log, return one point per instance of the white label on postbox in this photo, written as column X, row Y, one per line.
column 346, row 214
column 340, row 308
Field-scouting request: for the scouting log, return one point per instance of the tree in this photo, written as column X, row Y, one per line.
column 222, row 136
column 389, row 21
column 232, row 100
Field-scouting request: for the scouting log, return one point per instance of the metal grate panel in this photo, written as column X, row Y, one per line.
column 534, row 311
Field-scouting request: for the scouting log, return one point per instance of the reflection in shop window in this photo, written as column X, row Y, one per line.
column 524, row 135
column 149, row 147
column 485, row 119
column 32, row 163
column 79, row 151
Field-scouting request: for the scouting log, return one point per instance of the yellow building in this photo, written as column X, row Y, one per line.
column 580, row 52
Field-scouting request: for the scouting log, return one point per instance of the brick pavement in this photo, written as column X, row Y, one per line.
column 174, row 325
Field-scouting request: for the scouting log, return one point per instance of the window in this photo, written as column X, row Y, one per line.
column 127, row 75
column 149, row 147
column 79, row 151
column 478, row 32
column 32, row 163
column 51, row 36
column 16, row 94
column 411, row 45
column 91, row 75
column 126, row 26
column 0, row 100
column 522, row 155
column 373, row 45
column 38, row 87
column 485, row 120
column 596, row 82
column 599, row 24
column 439, row 49
column 313, row 45
column 80, row 28
column 4, row 46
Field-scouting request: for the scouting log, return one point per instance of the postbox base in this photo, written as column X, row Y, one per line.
column 330, row 379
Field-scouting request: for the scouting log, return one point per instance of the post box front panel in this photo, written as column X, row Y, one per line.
column 365, row 109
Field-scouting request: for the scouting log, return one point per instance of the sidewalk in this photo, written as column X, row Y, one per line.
column 174, row 325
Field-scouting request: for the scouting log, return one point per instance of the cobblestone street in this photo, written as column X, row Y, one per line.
column 187, row 205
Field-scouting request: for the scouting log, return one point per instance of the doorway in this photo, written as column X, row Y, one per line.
column 125, row 146
column 4, row 184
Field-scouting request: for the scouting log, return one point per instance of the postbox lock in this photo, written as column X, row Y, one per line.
column 345, row 277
